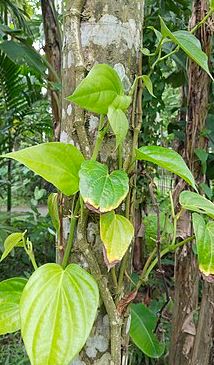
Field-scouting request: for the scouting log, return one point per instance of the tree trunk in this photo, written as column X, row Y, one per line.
column 53, row 52
column 188, row 343
column 102, row 31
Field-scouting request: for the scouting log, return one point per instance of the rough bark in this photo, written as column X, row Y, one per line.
column 186, row 339
column 103, row 31
column 53, row 47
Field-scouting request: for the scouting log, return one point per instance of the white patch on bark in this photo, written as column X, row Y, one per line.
column 93, row 124
column 100, row 340
column 66, row 227
column 64, row 137
column 110, row 30
column 69, row 109
column 63, row 114
column 70, row 59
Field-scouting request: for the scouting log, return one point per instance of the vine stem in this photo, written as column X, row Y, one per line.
column 193, row 30
column 28, row 247
column 73, row 223
column 100, row 136
column 145, row 274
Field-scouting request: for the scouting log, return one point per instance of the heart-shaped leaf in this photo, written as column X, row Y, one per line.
column 116, row 233
column 189, row 44
column 204, row 234
column 119, row 124
column 196, row 203
column 58, row 308
column 101, row 191
column 56, row 162
column 13, row 240
column 98, row 90
column 143, row 323
column 168, row 159
column 10, row 294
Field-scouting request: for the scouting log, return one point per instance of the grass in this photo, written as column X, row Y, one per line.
column 12, row 351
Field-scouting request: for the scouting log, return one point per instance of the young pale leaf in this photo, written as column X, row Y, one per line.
column 116, row 233
column 204, row 234
column 53, row 210
column 10, row 294
column 196, row 203
column 148, row 84
column 98, row 90
column 12, row 241
column 143, row 323
column 100, row 190
column 56, row 162
column 168, row 159
column 189, row 44
column 119, row 124
column 58, row 308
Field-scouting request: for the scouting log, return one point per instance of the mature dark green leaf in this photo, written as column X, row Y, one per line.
column 143, row 323
column 56, row 162
column 58, row 308
column 203, row 156
column 168, row 159
column 116, row 232
column 12, row 241
column 10, row 294
column 100, row 190
column 119, row 124
column 23, row 54
column 99, row 90
column 189, row 44
column 196, row 203
column 204, row 234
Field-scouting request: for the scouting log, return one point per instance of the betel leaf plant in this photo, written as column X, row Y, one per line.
column 56, row 308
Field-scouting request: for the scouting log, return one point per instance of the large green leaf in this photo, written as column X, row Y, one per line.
column 119, row 124
column 13, row 240
column 10, row 294
column 116, row 233
column 56, row 162
column 204, row 234
column 189, row 44
column 58, row 308
column 98, row 90
column 196, row 203
column 168, row 159
column 143, row 323
column 100, row 190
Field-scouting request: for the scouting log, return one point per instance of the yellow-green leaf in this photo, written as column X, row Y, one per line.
column 12, row 241
column 204, row 234
column 168, row 159
column 100, row 190
column 119, row 124
column 196, row 203
column 58, row 308
column 56, row 162
column 98, row 90
column 10, row 294
column 116, row 233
